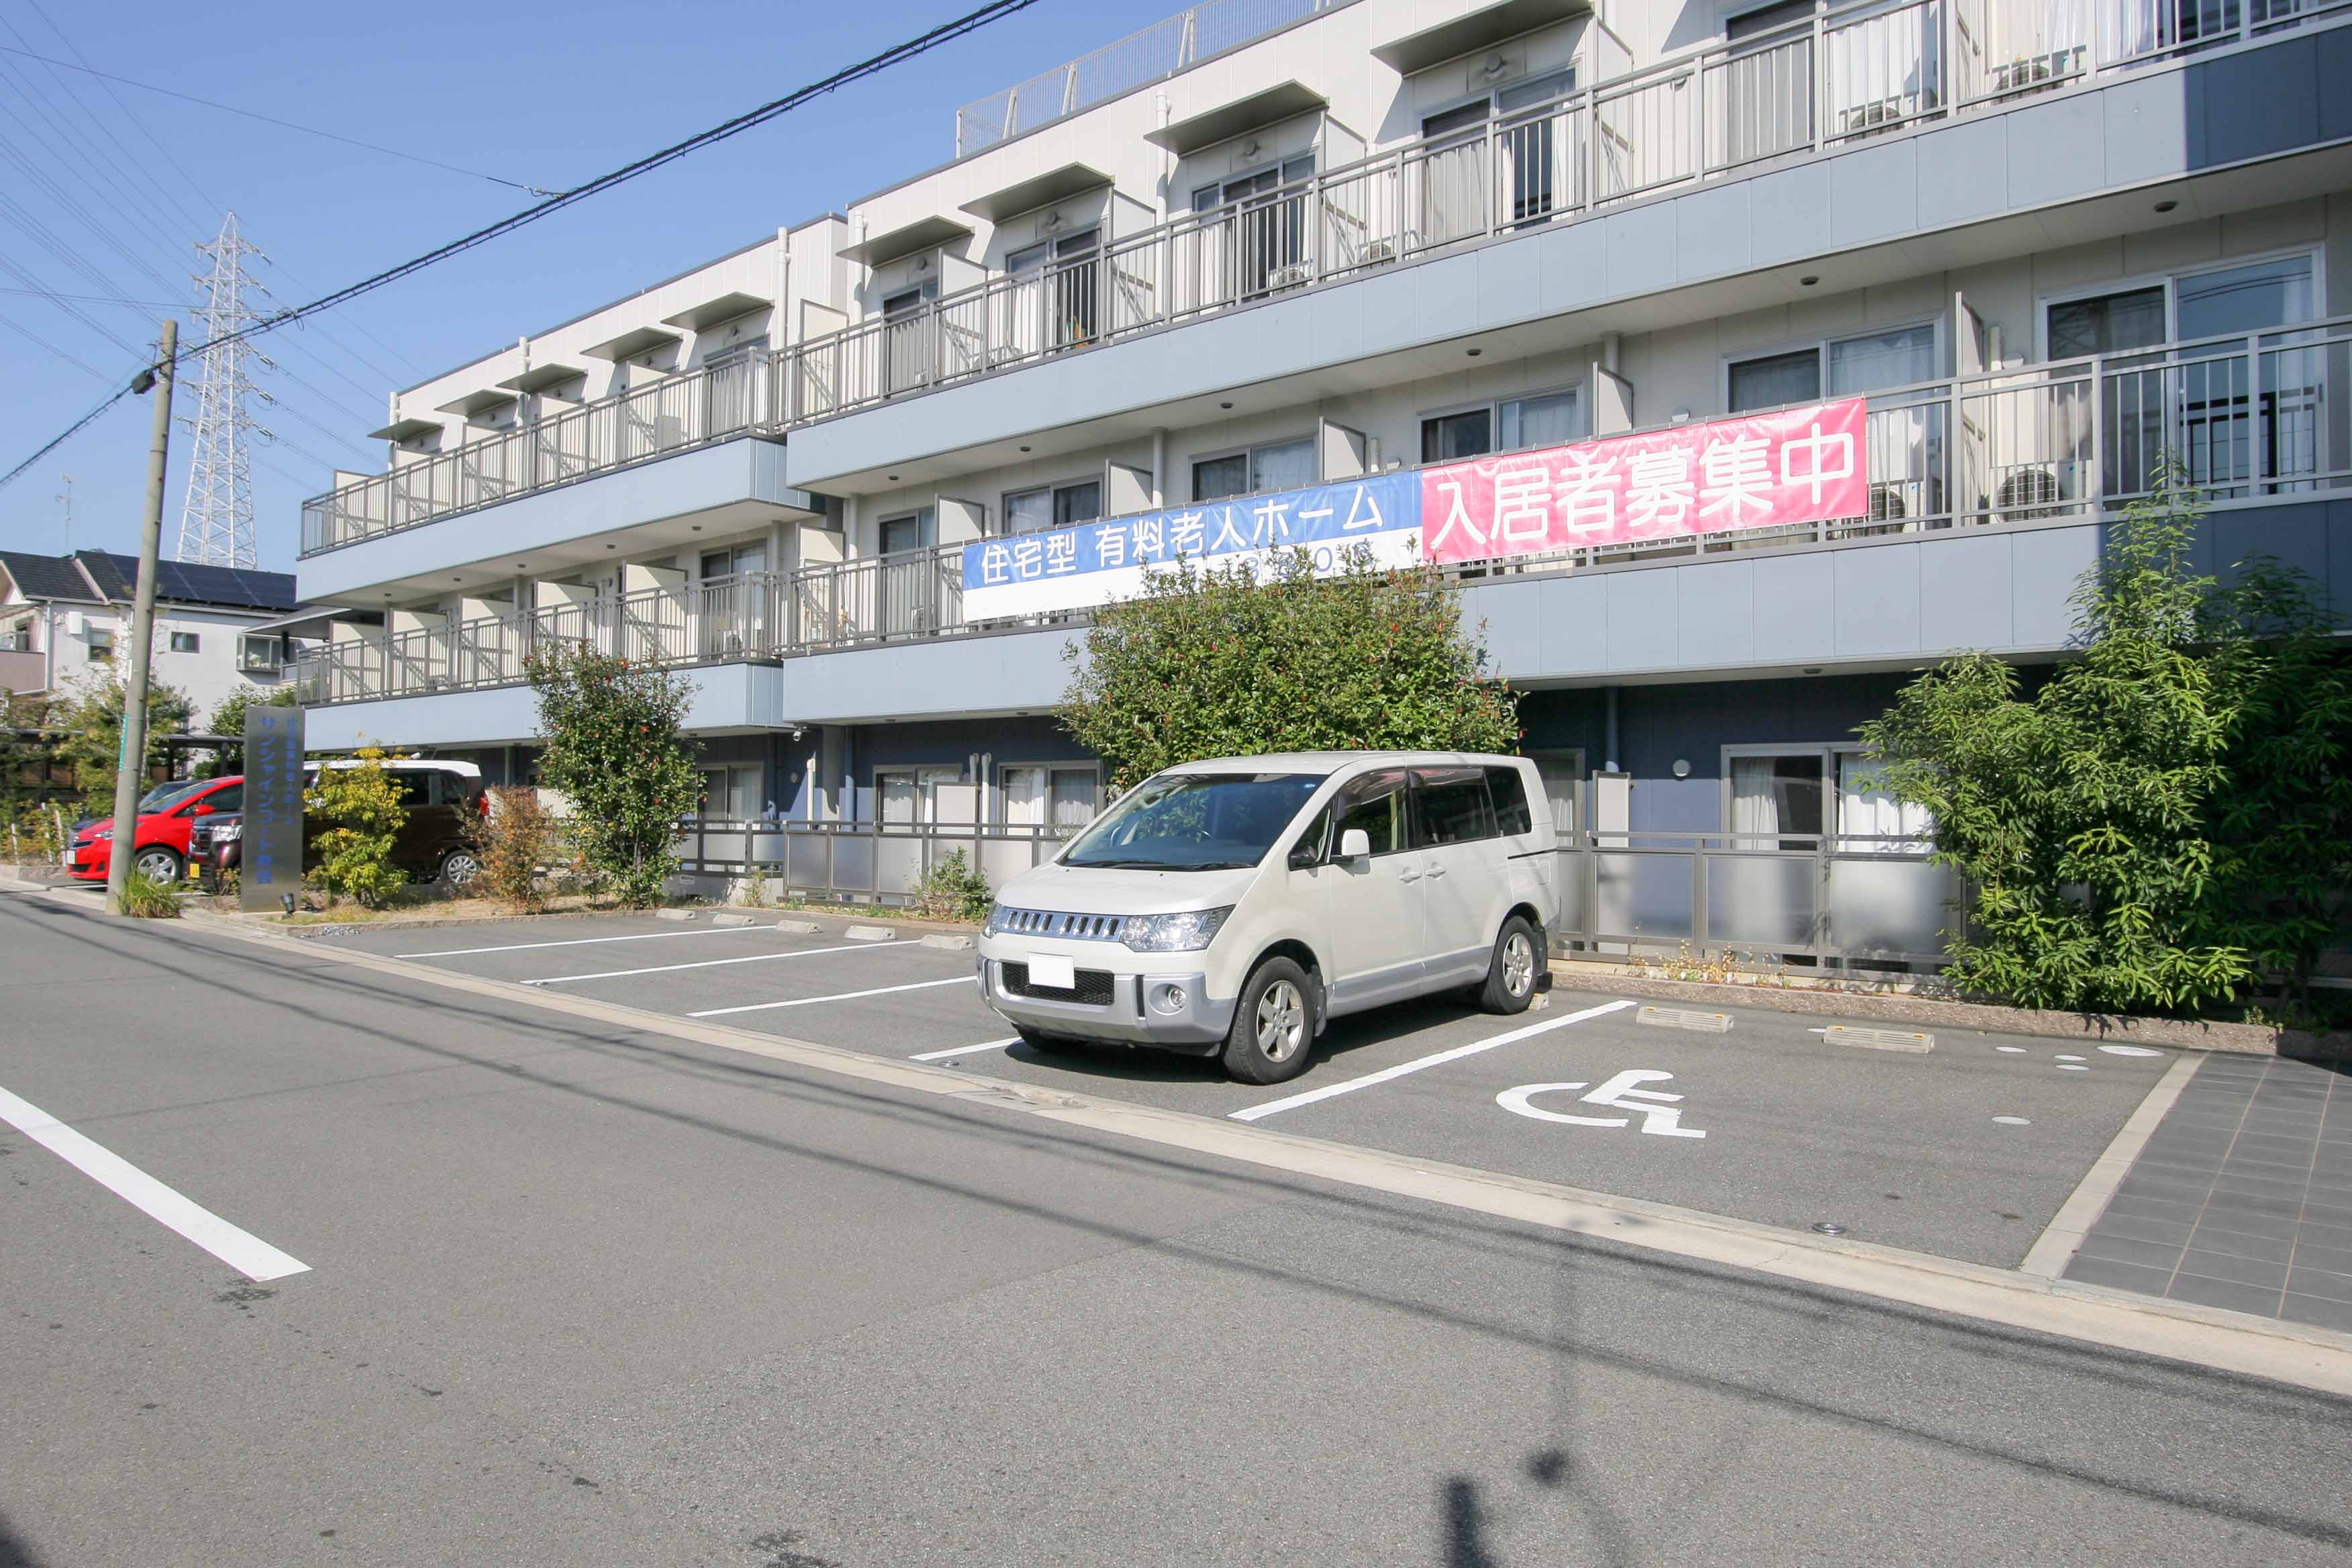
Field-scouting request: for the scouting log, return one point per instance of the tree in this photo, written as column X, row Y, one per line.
column 1234, row 662
column 2168, row 813
column 613, row 748
column 360, row 807
column 229, row 718
column 2283, row 829
column 89, row 730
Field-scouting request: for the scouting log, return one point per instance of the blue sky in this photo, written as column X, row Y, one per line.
column 102, row 201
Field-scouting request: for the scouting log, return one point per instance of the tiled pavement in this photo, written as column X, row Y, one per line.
column 2242, row 1197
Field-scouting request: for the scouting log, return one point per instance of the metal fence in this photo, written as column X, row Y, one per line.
column 1864, row 902
column 2250, row 418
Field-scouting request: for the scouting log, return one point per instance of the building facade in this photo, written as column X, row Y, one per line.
column 1250, row 266
column 66, row 618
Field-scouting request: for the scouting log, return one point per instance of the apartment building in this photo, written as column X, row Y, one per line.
column 1736, row 362
column 64, row 618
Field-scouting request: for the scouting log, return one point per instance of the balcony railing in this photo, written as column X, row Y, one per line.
column 733, row 397
column 1836, row 79
column 1160, row 50
column 2250, row 418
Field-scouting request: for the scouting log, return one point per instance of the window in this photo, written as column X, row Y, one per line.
column 1513, row 425
column 19, row 638
column 1312, row 848
column 260, row 653
column 228, row 797
column 734, row 560
column 1242, row 187
column 1045, row 795
column 1376, row 804
column 731, row 792
column 101, row 646
column 1053, row 506
column 1777, row 794
column 1866, row 808
column 1277, row 465
column 913, row 532
column 1450, row 807
column 1898, row 357
column 183, row 642
column 2108, row 324
column 1508, row 791
column 1763, row 19
column 1195, row 822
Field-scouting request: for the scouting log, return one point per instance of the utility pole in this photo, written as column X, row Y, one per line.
column 131, row 768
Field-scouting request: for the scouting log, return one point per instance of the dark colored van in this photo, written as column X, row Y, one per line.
column 440, row 802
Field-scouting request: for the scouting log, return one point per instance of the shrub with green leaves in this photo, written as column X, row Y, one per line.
column 952, row 890
column 1232, row 661
column 2169, row 814
column 611, row 745
column 359, row 807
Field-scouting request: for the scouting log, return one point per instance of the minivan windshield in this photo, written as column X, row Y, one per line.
column 1194, row 822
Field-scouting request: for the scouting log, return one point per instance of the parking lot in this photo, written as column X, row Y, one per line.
column 1965, row 1151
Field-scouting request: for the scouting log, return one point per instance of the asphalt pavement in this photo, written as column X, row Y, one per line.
column 579, row 1292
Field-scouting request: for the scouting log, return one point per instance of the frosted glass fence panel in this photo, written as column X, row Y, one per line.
column 1763, row 899
column 1880, row 904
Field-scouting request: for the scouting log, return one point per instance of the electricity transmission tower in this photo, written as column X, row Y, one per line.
column 217, row 521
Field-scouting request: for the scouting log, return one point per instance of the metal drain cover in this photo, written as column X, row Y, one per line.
column 1879, row 1040
column 1684, row 1019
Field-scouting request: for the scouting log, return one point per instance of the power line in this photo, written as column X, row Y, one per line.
column 286, row 124
column 24, row 330
column 100, row 299
column 971, row 21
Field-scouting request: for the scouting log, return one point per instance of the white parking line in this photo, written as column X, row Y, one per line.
column 584, row 941
column 247, row 1254
column 716, row 963
column 842, row 996
column 966, row 1050
column 1349, row 1086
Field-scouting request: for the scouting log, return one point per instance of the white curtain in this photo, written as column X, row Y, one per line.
column 1755, row 801
column 1024, row 796
column 1866, row 807
column 1074, row 801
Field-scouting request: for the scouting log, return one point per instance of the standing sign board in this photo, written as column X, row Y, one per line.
column 270, row 855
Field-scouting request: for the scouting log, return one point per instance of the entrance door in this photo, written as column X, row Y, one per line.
column 1373, row 906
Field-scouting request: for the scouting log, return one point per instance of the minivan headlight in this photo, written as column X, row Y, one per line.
column 995, row 921
column 1186, row 932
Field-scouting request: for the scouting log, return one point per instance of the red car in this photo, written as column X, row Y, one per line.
column 165, row 816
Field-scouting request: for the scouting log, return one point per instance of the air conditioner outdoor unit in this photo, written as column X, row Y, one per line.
column 1380, row 250
column 2026, row 492
column 1290, row 277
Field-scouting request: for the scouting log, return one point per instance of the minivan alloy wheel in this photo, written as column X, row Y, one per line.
column 1281, row 1021
column 1518, row 963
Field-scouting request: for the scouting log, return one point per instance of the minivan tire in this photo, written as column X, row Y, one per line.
column 1513, row 971
column 459, row 869
column 1273, row 1033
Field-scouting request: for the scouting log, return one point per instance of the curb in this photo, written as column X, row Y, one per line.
column 2243, row 1039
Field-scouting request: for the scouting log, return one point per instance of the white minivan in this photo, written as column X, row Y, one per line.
column 1231, row 908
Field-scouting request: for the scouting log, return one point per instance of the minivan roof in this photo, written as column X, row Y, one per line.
column 1332, row 761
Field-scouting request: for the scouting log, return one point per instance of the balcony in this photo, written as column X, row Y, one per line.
column 1820, row 85
column 1828, row 83
column 719, row 401
column 2254, row 419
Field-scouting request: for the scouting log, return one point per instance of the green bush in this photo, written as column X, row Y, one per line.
column 145, row 898
column 362, row 808
column 612, row 747
column 952, row 890
column 1236, row 661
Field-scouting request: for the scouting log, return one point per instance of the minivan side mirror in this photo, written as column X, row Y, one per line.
column 1355, row 844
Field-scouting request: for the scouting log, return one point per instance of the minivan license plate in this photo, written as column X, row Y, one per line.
column 1054, row 972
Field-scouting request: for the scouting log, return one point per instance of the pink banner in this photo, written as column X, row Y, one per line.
column 1802, row 465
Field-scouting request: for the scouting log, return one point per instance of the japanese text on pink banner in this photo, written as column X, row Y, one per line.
column 1801, row 465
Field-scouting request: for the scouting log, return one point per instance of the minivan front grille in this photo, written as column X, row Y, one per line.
column 1048, row 922
column 1093, row 990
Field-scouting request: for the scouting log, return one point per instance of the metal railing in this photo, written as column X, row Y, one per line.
column 1160, row 50
column 735, row 396
column 1832, row 80
column 1854, row 900
column 2251, row 418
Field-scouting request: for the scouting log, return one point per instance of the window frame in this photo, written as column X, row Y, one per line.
column 1249, row 460
column 1338, row 813
column 1002, row 526
column 1493, row 407
column 2315, row 252
column 171, row 642
column 1049, row 766
column 277, row 645
column 1820, row 347
column 1829, row 751
column 1491, row 96
column 1416, row 830
column 927, row 518
column 99, row 646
